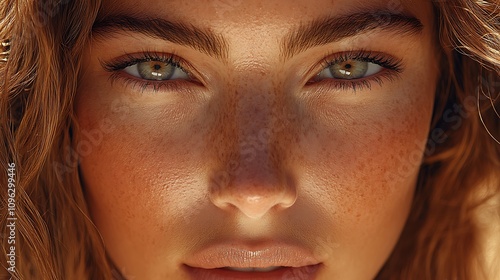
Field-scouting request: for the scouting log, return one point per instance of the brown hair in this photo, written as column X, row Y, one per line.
column 56, row 239
column 443, row 237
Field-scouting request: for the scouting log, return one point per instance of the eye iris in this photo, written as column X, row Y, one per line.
column 155, row 70
column 349, row 69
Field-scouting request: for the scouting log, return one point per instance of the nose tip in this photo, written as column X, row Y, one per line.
column 253, row 197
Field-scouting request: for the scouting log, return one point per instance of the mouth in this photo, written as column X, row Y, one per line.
column 271, row 273
column 266, row 261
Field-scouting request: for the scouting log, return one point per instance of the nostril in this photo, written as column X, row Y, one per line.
column 253, row 200
column 256, row 186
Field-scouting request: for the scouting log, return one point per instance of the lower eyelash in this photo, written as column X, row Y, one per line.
column 143, row 85
column 355, row 85
column 392, row 68
column 116, row 66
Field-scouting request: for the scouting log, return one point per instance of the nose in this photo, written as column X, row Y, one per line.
column 254, row 188
column 255, row 179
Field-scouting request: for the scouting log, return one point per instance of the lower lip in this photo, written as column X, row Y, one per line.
column 289, row 273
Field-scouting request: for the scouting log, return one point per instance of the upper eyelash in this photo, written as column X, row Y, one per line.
column 392, row 64
column 131, row 59
column 388, row 62
column 115, row 66
column 377, row 58
column 366, row 56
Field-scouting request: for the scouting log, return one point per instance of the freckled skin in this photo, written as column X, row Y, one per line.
column 254, row 153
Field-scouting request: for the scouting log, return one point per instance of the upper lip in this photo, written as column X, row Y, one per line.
column 243, row 255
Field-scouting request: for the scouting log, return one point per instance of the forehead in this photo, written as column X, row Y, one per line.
column 254, row 28
column 266, row 15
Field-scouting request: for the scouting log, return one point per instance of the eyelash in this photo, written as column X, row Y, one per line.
column 391, row 65
column 116, row 66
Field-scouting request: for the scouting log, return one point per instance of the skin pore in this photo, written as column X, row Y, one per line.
column 248, row 143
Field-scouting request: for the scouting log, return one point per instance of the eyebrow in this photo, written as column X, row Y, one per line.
column 333, row 29
column 203, row 40
column 315, row 33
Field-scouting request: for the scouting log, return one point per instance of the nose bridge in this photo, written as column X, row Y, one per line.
column 257, row 154
column 255, row 111
column 256, row 178
column 256, row 101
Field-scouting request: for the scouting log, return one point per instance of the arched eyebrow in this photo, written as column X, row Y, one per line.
column 306, row 35
column 332, row 29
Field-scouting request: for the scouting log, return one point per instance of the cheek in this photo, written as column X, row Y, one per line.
column 361, row 164
column 139, row 175
column 368, row 164
column 378, row 161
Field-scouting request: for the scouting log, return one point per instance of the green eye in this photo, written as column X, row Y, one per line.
column 156, row 70
column 350, row 69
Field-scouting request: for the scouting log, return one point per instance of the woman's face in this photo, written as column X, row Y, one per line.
column 254, row 133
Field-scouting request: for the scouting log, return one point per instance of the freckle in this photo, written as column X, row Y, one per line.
column 362, row 165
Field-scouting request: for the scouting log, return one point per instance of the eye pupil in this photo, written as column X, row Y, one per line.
column 353, row 67
column 350, row 69
column 154, row 70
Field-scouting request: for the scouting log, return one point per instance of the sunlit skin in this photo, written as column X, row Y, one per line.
column 252, row 147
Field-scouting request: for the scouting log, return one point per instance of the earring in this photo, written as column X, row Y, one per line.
column 4, row 50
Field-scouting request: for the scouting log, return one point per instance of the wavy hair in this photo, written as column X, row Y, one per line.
column 56, row 239
column 445, row 237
